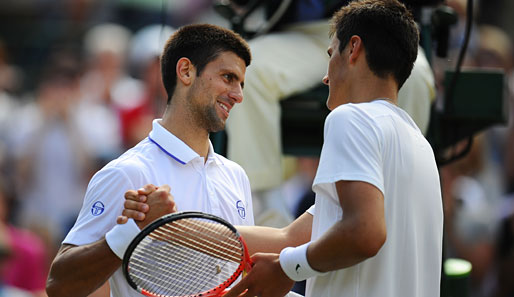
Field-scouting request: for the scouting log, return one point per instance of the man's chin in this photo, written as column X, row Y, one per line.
column 217, row 128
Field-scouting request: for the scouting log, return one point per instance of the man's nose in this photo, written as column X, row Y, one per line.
column 325, row 79
column 236, row 94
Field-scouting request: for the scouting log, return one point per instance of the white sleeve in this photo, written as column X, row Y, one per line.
column 102, row 204
column 351, row 149
column 311, row 209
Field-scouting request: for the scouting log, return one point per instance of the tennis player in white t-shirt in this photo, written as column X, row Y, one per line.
column 377, row 223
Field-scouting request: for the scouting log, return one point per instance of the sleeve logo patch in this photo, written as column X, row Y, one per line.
column 240, row 209
column 97, row 208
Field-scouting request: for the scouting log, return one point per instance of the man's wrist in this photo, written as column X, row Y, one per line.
column 295, row 265
column 120, row 237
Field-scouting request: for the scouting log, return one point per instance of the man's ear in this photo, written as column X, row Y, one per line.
column 356, row 48
column 186, row 71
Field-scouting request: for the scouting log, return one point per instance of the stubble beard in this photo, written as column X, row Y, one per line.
column 213, row 123
column 205, row 116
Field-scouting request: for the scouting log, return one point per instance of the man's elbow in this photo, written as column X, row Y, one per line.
column 370, row 245
column 55, row 285
column 52, row 288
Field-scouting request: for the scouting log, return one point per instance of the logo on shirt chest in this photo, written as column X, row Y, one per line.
column 97, row 208
column 241, row 209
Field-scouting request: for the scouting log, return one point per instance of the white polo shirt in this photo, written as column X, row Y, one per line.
column 218, row 186
column 378, row 143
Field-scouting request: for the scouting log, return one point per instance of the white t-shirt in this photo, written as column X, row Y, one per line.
column 378, row 143
column 218, row 186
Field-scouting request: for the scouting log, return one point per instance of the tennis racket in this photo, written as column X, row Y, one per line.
column 186, row 254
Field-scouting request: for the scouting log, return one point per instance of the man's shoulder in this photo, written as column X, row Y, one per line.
column 228, row 164
column 351, row 109
column 352, row 113
column 230, row 167
column 365, row 111
column 134, row 161
column 135, row 156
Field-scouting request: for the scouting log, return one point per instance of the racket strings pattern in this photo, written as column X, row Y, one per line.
column 185, row 257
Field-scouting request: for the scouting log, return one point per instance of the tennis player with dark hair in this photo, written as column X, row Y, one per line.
column 377, row 224
column 377, row 220
column 203, row 71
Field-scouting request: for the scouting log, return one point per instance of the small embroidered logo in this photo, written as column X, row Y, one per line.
column 97, row 208
column 240, row 209
column 297, row 267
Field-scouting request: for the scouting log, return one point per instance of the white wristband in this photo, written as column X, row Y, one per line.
column 120, row 236
column 294, row 263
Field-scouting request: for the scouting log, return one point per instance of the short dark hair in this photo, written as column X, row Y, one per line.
column 388, row 31
column 200, row 43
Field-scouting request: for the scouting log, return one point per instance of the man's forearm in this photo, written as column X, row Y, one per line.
column 262, row 239
column 79, row 270
column 345, row 244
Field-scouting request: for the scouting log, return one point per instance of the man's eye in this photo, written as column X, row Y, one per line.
column 228, row 77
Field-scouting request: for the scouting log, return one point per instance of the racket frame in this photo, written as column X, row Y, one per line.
column 245, row 264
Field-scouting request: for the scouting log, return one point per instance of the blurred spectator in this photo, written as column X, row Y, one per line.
column 505, row 252
column 34, row 29
column 106, row 88
column 9, row 83
column 145, row 49
column 470, row 218
column 48, row 148
column 495, row 50
column 297, row 190
column 136, row 14
column 10, row 75
column 23, row 258
column 498, row 13
column 473, row 187
column 7, row 290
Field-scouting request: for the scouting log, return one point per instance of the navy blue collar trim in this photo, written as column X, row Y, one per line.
column 167, row 153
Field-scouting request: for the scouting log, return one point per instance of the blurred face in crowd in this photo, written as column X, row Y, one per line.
column 216, row 90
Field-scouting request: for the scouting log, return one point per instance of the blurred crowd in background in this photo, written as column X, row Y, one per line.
column 80, row 83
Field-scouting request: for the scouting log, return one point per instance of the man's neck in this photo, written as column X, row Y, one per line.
column 375, row 89
column 182, row 127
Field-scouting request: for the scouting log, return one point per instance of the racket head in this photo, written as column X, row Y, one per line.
column 185, row 254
